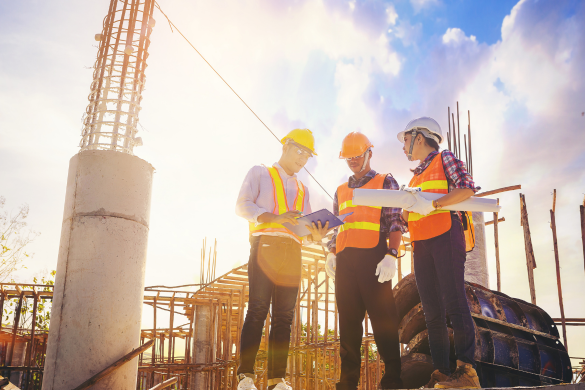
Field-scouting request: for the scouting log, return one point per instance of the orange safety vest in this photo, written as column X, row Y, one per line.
column 280, row 205
column 362, row 228
column 423, row 227
column 432, row 179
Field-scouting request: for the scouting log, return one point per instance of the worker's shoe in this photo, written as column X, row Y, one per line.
column 246, row 383
column 436, row 377
column 280, row 385
column 464, row 377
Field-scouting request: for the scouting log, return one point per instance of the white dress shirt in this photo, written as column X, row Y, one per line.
column 257, row 195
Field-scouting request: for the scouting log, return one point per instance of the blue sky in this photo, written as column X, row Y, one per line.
column 332, row 66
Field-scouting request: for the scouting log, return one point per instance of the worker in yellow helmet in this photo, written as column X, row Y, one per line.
column 269, row 197
column 362, row 262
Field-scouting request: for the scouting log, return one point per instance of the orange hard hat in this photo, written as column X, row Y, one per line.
column 354, row 144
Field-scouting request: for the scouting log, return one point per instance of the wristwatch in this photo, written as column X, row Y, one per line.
column 393, row 252
column 436, row 205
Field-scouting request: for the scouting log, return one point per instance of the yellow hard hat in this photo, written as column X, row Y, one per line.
column 303, row 137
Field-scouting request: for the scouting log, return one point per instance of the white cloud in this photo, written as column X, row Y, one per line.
column 391, row 15
column 456, row 36
column 419, row 5
column 408, row 33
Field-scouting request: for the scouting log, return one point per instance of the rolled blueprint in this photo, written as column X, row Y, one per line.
column 405, row 199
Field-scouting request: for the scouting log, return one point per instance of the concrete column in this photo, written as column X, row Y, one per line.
column 99, row 286
column 476, row 269
column 201, row 345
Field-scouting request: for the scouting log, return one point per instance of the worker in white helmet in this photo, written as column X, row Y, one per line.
column 439, row 249
column 269, row 197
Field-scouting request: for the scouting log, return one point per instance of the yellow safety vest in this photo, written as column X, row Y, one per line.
column 280, row 205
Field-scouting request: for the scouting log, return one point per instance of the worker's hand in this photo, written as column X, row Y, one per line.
column 386, row 268
column 421, row 206
column 412, row 190
column 318, row 232
column 330, row 265
column 288, row 217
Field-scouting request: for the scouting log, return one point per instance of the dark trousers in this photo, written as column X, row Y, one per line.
column 274, row 273
column 439, row 268
column 357, row 290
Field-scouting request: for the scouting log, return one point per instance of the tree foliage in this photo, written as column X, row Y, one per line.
column 14, row 238
column 43, row 315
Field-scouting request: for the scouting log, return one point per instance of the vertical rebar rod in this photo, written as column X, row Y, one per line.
column 497, row 245
column 466, row 156
column 449, row 124
column 469, row 135
column 454, row 137
column 558, row 269
column 582, row 212
column 458, row 134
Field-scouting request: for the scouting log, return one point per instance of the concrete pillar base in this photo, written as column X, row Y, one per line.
column 97, row 302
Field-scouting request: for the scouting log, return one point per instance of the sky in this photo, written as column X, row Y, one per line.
column 328, row 65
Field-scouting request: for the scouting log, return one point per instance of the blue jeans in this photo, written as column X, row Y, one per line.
column 439, row 268
column 274, row 273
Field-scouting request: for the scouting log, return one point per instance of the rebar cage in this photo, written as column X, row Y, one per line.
column 111, row 118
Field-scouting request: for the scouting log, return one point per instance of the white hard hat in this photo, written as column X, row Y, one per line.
column 427, row 127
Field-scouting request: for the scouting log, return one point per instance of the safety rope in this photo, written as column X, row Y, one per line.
column 171, row 25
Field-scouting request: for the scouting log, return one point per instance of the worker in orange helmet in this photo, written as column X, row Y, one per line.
column 362, row 262
column 270, row 197
column 439, row 246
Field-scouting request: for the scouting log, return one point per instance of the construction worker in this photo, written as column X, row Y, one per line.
column 269, row 197
column 439, row 251
column 362, row 263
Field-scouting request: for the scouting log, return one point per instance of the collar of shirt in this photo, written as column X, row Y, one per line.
column 357, row 183
column 283, row 172
column 423, row 165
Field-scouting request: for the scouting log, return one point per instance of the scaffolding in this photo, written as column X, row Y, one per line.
column 23, row 345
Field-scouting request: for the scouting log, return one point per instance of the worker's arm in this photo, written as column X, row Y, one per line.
column 456, row 196
column 394, row 239
column 458, row 177
column 246, row 206
column 393, row 217
column 288, row 217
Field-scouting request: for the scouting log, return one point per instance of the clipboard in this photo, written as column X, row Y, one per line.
column 323, row 215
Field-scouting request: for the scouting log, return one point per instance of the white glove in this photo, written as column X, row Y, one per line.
column 421, row 206
column 330, row 265
column 386, row 268
column 412, row 190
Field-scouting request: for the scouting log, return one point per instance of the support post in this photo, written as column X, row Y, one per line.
column 553, row 227
column 582, row 211
column 497, row 244
column 530, row 261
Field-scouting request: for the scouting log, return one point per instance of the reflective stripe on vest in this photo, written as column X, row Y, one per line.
column 280, row 205
column 362, row 228
column 432, row 179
